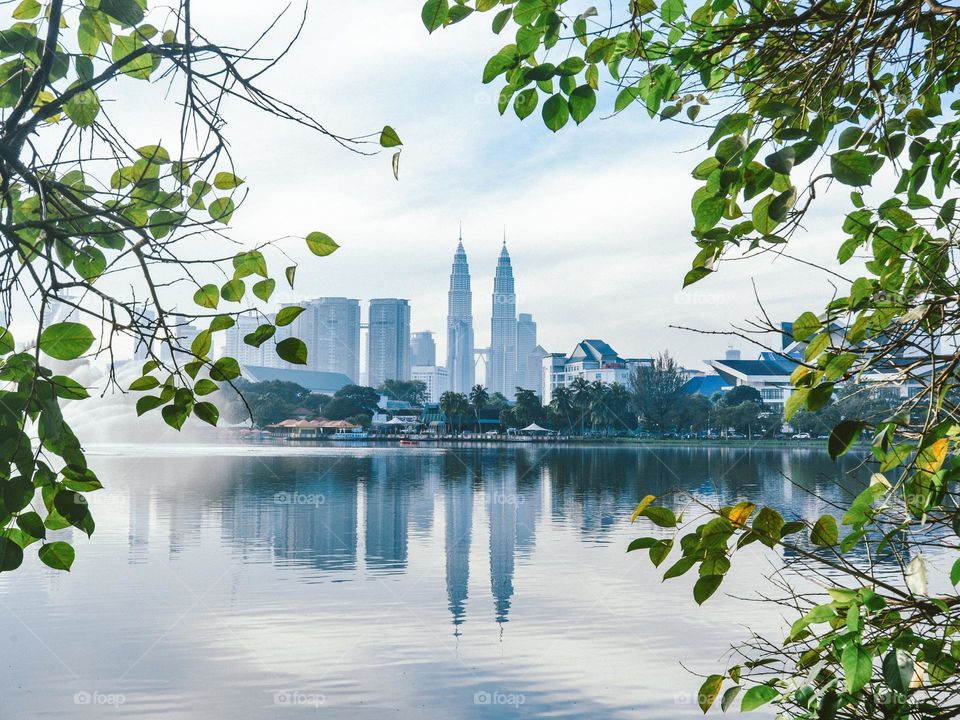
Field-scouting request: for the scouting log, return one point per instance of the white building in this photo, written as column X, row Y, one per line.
column 592, row 360
column 435, row 378
column 502, row 360
column 460, row 345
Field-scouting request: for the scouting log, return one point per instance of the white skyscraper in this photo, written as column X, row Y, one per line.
column 460, row 360
column 330, row 327
column 502, row 360
column 388, row 349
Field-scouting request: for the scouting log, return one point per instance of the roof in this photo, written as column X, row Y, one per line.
column 596, row 350
column 313, row 380
column 315, row 424
column 706, row 385
column 767, row 366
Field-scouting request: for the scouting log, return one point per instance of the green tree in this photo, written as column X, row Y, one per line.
column 527, row 409
column 479, row 398
column 799, row 99
column 411, row 391
column 656, row 390
column 582, row 395
column 563, row 408
column 455, row 406
column 352, row 400
column 690, row 413
column 103, row 229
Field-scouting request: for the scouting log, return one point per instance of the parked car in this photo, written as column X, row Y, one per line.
column 802, row 436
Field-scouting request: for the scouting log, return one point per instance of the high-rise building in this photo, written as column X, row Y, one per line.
column 330, row 327
column 526, row 344
column 502, row 359
column 388, row 347
column 423, row 350
column 460, row 360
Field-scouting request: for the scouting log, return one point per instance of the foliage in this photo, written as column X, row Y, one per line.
column 454, row 406
column 799, row 99
column 411, row 391
column 103, row 229
column 656, row 390
column 350, row 401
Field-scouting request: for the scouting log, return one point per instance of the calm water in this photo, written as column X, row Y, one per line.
column 259, row 582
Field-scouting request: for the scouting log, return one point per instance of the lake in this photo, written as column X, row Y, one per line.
column 422, row 582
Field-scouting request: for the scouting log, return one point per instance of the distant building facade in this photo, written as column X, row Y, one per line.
column 460, row 345
column 435, row 378
column 502, row 357
column 592, row 360
column 388, row 344
column 423, row 349
column 526, row 344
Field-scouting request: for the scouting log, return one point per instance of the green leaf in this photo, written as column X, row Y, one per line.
column 58, row 555
column 221, row 209
column 207, row 412
column 852, row 167
column 83, row 108
column 225, row 369
column 389, row 137
column 661, row 516
column 955, row 573
column 582, row 102
column 233, row 290
column 11, row 554
column 32, row 524
column 264, row 288
column 680, row 567
column 205, row 387
column 705, row 587
column 843, row 436
column 825, row 532
column 501, row 19
column 782, row 160
column 709, row 691
column 757, row 696
column 898, row 670
column 805, row 326
column 857, row 667
column 127, row 12
column 671, row 10
column 27, row 10
column 555, row 112
column 7, row 343
column 321, row 244
column 148, row 403
column 208, row 296
column 287, row 315
column 708, row 213
column 147, row 382
column 66, row 340
column 293, row 350
column 226, row 181
column 434, row 14
column 291, row 274
column 68, row 388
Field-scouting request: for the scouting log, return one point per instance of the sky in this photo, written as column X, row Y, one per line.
column 597, row 217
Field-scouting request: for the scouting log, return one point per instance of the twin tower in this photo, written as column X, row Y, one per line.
column 505, row 360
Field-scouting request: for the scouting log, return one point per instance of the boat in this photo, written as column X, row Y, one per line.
column 409, row 442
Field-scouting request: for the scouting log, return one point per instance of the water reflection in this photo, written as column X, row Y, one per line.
column 388, row 580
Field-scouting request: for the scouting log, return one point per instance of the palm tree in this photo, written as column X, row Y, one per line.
column 563, row 405
column 454, row 405
column 479, row 397
column 581, row 392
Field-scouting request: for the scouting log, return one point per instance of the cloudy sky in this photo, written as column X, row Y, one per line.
column 597, row 217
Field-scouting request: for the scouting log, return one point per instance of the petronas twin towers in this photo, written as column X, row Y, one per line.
column 502, row 356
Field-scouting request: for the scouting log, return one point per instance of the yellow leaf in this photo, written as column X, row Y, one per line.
column 641, row 507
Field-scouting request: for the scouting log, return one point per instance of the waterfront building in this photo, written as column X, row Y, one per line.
column 325, row 383
column 388, row 344
column 423, row 349
column 435, row 378
column 460, row 346
column 330, row 327
column 592, row 360
column 502, row 358
column 535, row 370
